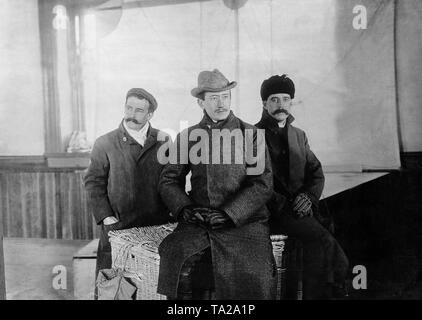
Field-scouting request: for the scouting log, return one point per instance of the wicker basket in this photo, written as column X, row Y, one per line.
column 136, row 252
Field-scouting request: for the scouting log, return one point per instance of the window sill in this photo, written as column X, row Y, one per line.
column 47, row 162
column 68, row 160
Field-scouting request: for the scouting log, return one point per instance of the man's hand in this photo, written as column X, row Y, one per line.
column 302, row 214
column 302, row 205
column 210, row 218
column 191, row 214
column 218, row 219
column 110, row 220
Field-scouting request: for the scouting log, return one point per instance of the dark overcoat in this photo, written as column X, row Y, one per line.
column 305, row 170
column 324, row 261
column 243, row 263
column 122, row 181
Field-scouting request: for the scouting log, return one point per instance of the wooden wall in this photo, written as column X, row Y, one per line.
column 45, row 203
column 2, row 273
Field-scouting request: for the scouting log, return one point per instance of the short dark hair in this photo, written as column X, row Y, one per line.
column 201, row 95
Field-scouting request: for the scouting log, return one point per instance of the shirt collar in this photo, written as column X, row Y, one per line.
column 282, row 124
column 141, row 135
column 207, row 121
column 272, row 123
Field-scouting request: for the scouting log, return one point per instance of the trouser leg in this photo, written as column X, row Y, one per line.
column 203, row 277
column 324, row 261
column 196, row 279
column 104, row 260
column 185, row 287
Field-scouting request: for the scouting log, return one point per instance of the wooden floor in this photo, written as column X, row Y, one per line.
column 29, row 267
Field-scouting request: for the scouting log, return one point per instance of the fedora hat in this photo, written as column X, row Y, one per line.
column 212, row 81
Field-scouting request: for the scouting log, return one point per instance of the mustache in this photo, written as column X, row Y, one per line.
column 132, row 119
column 281, row 111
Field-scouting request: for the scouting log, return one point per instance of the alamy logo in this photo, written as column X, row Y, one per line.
column 60, row 278
column 360, row 280
column 216, row 146
column 360, row 20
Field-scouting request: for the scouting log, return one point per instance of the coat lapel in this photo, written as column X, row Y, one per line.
column 296, row 159
column 231, row 122
column 125, row 140
column 293, row 147
column 149, row 142
column 271, row 128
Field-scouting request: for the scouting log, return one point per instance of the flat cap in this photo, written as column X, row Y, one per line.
column 142, row 94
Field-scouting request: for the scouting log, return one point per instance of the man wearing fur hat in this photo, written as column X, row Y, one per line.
column 298, row 184
column 223, row 220
column 122, row 178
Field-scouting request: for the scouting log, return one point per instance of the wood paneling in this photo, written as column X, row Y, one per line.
column 44, row 204
column 2, row 273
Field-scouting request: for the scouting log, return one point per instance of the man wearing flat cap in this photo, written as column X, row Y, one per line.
column 298, row 185
column 221, row 243
column 122, row 178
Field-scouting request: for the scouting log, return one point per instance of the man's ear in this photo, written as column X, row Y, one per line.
column 149, row 115
column 264, row 104
column 200, row 103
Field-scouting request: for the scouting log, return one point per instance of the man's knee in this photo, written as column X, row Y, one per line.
column 309, row 230
column 104, row 261
column 192, row 280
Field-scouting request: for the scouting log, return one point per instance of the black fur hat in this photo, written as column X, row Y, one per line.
column 277, row 84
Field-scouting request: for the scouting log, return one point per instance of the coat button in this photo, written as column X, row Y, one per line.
column 124, row 139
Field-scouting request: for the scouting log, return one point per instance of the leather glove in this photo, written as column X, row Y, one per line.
column 217, row 219
column 190, row 214
column 302, row 205
column 302, row 214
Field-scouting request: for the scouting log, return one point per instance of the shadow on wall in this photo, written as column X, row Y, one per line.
column 364, row 36
column 409, row 73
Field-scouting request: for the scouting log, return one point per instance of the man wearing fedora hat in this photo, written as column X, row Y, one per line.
column 122, row 178
column 298, row 184
column 223, row 220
